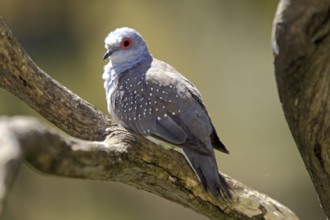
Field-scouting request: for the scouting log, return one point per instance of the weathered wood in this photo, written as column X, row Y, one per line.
column 23, row 78
column 301, row 45
column 135, row 161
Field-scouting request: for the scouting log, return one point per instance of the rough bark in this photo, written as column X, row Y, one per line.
column 132, row 160
column 301, row 45
column 23, row 78
column 122, row 156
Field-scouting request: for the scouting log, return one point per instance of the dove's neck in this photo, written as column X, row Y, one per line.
column 117, row 66
column 128, row 62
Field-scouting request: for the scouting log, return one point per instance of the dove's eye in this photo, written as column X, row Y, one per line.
column 126, row 43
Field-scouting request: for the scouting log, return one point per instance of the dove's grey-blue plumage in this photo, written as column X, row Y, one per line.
column 151, row 98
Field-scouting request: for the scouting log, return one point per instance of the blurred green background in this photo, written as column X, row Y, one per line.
column 223, row 47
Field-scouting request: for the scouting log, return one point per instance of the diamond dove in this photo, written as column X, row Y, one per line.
column 149, row 97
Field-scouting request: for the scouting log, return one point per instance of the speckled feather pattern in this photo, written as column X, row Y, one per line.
column 163, row 104
column 151, row 98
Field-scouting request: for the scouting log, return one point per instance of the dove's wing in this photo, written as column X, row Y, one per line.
column 156, row 100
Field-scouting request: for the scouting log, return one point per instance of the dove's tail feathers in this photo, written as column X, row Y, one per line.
column 205, row 167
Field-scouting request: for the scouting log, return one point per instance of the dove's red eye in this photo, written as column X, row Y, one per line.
column 126, row 43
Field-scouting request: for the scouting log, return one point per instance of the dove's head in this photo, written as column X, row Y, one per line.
column 125, row 46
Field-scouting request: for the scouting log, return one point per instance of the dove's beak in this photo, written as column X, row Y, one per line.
column 106, row 55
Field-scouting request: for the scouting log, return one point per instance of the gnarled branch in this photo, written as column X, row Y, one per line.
column 301, row 45
column 122, row 156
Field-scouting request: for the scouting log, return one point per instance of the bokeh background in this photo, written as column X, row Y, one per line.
column 223, row 47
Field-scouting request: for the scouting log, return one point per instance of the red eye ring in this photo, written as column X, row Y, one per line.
column 126, row 43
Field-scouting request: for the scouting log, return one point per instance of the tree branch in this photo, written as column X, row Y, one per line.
column 135, row 161
column 122, row 156
column 23, row 78
column 301, row 45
